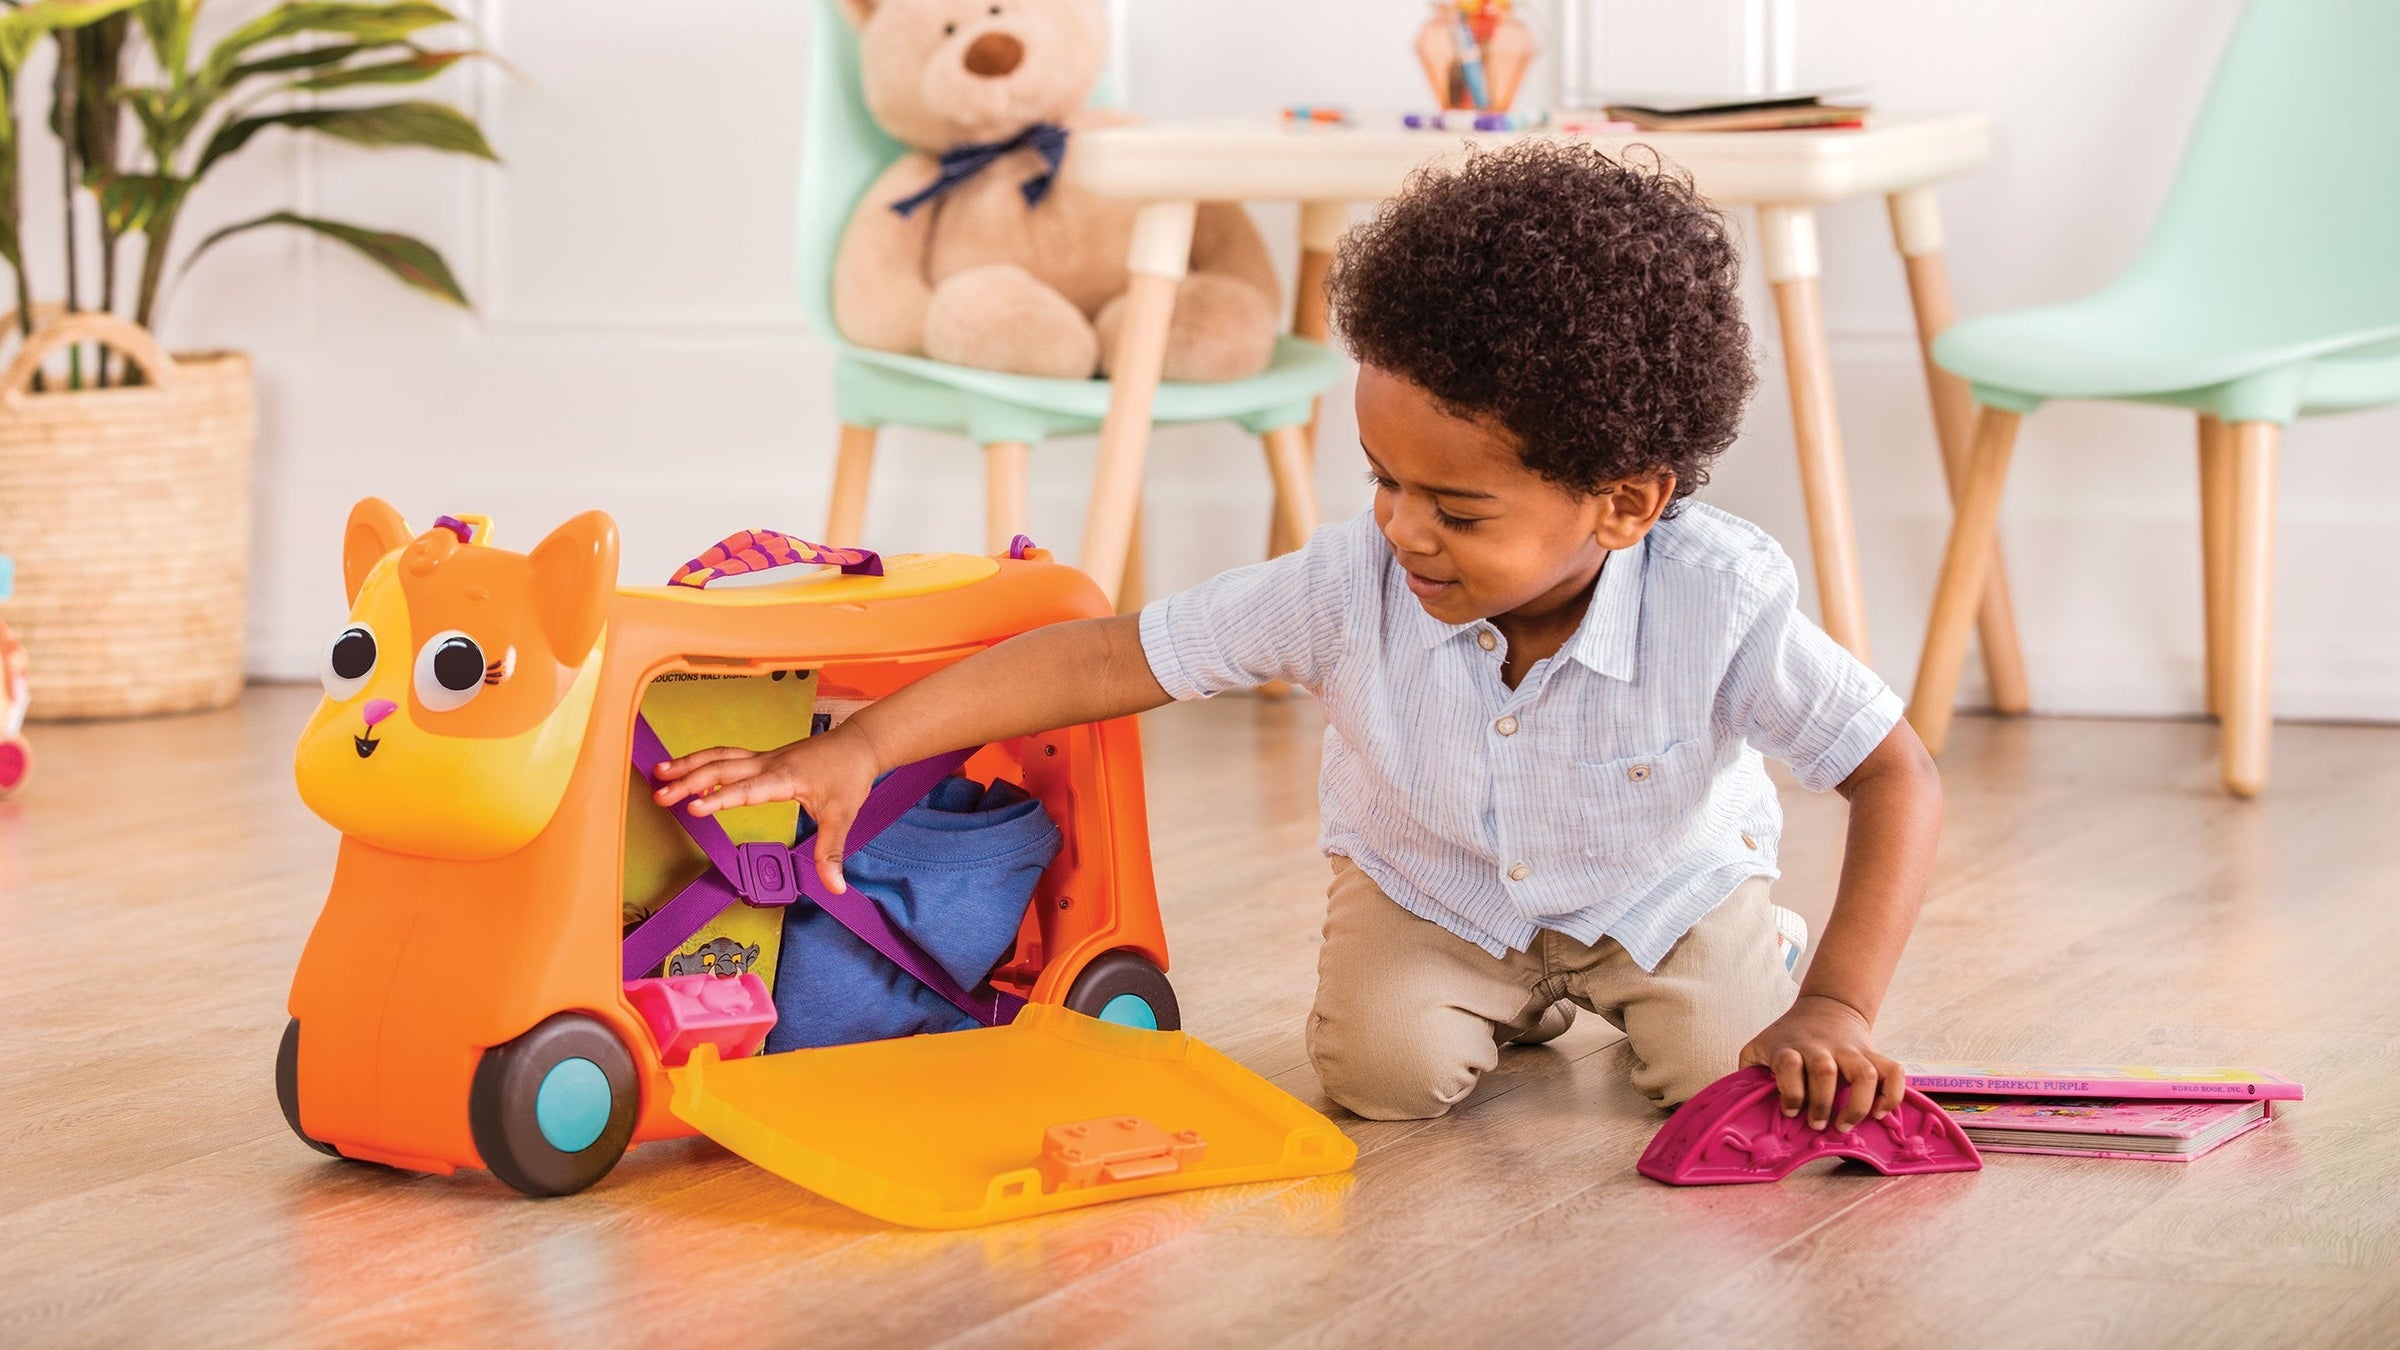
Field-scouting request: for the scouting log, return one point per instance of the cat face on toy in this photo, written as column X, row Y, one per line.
column 943, row 73
column 457, row 693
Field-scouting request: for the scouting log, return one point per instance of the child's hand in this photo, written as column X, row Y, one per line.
column 1818, row 1045
column 829, row 775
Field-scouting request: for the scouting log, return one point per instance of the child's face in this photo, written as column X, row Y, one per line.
column 1479, row 534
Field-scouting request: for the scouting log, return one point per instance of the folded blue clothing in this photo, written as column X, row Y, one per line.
column 955, row 874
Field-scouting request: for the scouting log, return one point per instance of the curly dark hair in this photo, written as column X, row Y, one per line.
column 1587, row 306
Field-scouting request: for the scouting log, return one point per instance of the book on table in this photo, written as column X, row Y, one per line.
column 1748, row 112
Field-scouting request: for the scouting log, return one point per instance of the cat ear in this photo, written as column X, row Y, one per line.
column 574, row 577
column 375, row 532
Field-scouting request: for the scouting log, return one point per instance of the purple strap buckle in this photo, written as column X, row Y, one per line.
column 768, row 873
column 1020, row 546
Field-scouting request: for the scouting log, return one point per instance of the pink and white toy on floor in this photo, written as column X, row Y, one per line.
column 16, row 757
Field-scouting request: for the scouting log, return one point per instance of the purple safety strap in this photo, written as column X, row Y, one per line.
column 779, row 874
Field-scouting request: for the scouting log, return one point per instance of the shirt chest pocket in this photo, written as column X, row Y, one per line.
column 1643, row 806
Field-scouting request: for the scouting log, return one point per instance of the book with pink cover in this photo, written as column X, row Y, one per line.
column 2159, row 1131
column 2124, row 1082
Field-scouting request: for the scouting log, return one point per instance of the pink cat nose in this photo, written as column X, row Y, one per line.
column 378, row 709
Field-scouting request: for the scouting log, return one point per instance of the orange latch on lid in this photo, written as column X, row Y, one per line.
column 1112, row 1149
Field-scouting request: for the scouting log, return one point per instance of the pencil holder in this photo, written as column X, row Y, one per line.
column 1475, row 54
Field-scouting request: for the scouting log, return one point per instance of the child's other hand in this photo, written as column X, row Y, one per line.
column 828, row 775
column 1814, row 1048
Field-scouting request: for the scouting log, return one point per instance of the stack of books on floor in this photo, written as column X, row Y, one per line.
column 1747, row 112
column 2112, row 1111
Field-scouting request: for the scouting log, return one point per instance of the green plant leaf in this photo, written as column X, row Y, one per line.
column 22, row 27
column 370, row 24
column 433, row 126
column 305, row 58
column 167, row 24
column 133, row 203
column 415, row 70
column 413, row 261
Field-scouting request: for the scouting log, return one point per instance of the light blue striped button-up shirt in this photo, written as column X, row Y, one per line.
column 1617, row 791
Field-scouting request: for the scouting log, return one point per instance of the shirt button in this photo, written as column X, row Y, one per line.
column 1506, row 726
column 1639, row 773
column 1519, row 872
column 1486, row 641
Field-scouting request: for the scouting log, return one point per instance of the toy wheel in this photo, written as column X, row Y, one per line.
column 16, row 761
column 1123, row 987
column 287, row 1087
column 552, row 1110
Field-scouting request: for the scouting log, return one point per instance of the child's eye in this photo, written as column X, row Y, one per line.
column 1462, row 524
column 1380, row 481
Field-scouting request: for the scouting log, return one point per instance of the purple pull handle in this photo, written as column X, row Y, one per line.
column 759, row 550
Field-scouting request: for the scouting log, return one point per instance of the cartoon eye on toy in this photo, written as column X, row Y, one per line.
column 349, row 660
column 451, row 671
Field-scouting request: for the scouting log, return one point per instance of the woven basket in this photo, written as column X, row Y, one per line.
column 128, row 513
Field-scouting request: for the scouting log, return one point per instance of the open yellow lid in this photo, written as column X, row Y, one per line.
column 1052, row 1111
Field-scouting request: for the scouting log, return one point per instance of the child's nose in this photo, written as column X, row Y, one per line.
column 378, row 709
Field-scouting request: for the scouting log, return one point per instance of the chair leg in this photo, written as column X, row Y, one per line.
column 1957, row 595
column 1296, row 513
column 2250, row 607
column 1004, row 475
column 853, row 466
column 2216, row 551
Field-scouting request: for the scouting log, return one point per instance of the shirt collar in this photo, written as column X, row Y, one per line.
column 1605, row 641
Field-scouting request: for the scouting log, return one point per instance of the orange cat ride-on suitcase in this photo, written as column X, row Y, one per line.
column 471, row 997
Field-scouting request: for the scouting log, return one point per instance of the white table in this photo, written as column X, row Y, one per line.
column 1170, row 167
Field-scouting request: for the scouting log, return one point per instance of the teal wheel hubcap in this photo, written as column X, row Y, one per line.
column 571, row 1109
column 1130, row 1010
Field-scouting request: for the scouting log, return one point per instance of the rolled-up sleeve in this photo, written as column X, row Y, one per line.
column 1796, row 694
column 1284, row 619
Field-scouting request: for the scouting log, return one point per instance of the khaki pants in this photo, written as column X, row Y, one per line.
column 1409, row 1015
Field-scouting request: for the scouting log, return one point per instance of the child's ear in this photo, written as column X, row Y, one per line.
column 858, row 10
column 1630, row 508
column 375, row 532
column 574, row 578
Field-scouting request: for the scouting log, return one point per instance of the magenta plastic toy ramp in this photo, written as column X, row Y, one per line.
column 1735, row 1131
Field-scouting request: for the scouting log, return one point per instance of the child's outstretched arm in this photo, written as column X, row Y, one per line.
column 1895, row 799
column 1069, row 673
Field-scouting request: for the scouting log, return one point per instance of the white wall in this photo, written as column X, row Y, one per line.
column 638, row 347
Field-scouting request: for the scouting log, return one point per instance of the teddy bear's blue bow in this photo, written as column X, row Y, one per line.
column 1047, row 139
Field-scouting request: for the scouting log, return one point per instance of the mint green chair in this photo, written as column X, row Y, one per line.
column 2269, row 290
column 842, row 153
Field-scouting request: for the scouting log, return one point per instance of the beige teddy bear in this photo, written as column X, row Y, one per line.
column 973, row 250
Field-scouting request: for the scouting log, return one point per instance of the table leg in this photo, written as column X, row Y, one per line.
column 1160, row 255
column 1005, row 470
column 1788, row 240
column 1321, row 226
column 1917, row 231
column 853, row 467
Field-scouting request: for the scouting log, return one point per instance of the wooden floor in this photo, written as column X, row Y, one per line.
column 2097, row 900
